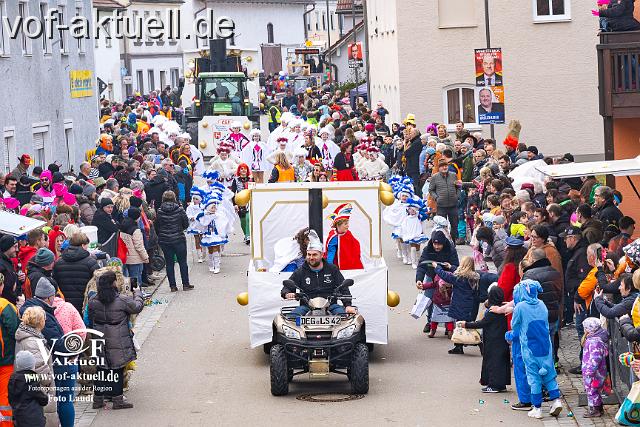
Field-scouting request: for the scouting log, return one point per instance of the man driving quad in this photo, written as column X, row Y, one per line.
column 317, row 278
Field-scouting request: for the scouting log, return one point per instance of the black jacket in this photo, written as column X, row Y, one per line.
column 425, row 271
column 629, row 331
column 35, row 273
column 577, row 268
column 619, row 15
column 106, row 224
column 551, row 282
column 73, row 271
column 318, row 284
column 611, row 310
column 171, row 222
column 412, row 154
column 106, row 170
column 27, row 400
column 496, row 369
column 10, row 279
column 608, row 214
column 154, row 189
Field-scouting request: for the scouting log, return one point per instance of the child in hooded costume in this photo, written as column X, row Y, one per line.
column 216, row 224
column 594, row 364
column 194, row 209
column 341, row 248
column 530, row 326
column 496, row 372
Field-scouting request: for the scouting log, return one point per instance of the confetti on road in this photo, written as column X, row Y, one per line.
column 481, row 402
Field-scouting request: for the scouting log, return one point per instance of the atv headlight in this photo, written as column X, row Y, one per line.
column 346, row 332
column 290, row 332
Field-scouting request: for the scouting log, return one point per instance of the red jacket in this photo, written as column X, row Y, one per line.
column 348, row 254
column 25, row 253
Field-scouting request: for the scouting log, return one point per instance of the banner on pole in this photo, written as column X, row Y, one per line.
column 489, row 86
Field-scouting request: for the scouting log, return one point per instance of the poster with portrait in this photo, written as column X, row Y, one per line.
column 490, row 102
column 355, row 55
column 489, row 67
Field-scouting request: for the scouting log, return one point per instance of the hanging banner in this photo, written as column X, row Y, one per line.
column 489, row 86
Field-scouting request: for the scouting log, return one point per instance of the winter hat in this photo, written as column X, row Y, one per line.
column 513, row 138
column 24, row 361
column 75, row 189
column 58, row 177
column 88, row 190
column 466, row 145
column 591, row 324
column 499, row 220
column 6, row 242
column 315, row 244
column 99, row 182
column 43, row 257
column 44, row 289
column 438, row 237
column 106, row 202
column 53, row 168
column 53, row 235
column 136, row 202
column 514, row 242
column 133, row 213
column 431, row 151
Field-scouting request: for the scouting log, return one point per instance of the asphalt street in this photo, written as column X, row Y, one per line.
column 197, row 369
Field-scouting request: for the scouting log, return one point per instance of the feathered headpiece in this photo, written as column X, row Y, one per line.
column 342, row 212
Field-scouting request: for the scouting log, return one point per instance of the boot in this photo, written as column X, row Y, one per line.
column 187, row 287
column 405, row 254
column 98, row 402
column 414, row 257
column 200, row 256
column 457, row 349
column 211, row 262
column 593, row 412
column 217, row 260
column 432, row 333
column 119, row 403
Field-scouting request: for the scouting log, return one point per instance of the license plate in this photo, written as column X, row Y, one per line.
column 318, row 321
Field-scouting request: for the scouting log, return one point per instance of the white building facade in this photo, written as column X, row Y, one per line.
column 50, row 108
column 422, row 61
column 107, row 50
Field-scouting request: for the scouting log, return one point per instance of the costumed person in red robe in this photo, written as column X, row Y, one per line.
column 341, row 247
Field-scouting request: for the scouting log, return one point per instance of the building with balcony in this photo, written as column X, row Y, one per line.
column 50, row 105
column 619, row 81
column 421, row 56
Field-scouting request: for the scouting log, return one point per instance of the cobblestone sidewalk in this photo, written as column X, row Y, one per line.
column 145, row 322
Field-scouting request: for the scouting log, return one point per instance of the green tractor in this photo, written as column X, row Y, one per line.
column 221, row 95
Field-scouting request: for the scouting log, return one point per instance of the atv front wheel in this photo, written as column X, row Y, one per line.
column 359, row 372
column 279, row 371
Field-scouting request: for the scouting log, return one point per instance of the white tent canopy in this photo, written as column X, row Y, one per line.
column 17, row 225
column 627, row 167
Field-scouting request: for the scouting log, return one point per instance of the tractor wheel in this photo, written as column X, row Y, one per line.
column 279, row 372
column 359, row 372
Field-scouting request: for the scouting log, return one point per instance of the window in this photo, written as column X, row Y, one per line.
column 270, row 38
column 8, row 149
column 64, row 47
column 324, row 21
column 23, row 11
column 175, row 77
column 46, row 41
column 317, row 21
column 140, row 81
column 38, row 148
column 307, row 17
column 68, row 140
column 4, row 39
column 551, row 10
column 459, row 104
column 457, row 14
column 163, row 79
column 80, row 40
column 331, row 20
column 151, row 80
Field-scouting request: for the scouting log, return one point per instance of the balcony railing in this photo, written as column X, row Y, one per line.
column 619, row 74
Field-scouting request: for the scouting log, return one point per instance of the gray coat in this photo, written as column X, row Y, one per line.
column 113, row 320
column 443, row 190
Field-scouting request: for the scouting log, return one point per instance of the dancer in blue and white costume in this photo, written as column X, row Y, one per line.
column 214, row 220
column 393, row 215
column 215, row 186
column 411, row 228
column 195, row 228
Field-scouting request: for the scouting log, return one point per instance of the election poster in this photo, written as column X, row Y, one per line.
column 489, row 86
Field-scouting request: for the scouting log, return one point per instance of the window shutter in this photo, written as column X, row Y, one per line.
column 38, row 141
column 7, row 160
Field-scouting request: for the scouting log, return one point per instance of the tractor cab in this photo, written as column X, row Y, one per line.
column 222, row 94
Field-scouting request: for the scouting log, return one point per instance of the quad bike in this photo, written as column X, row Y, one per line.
column 318, row 343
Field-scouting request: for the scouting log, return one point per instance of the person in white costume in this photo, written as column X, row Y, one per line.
column 290, row 252
column 280, row 131
column 225, row 164
column 282, row 147
column 215, row 236
column 195, row 227
column 255, row 153
column 411, row 230
column 373, row 167
column 328, row 148
column 296, row 136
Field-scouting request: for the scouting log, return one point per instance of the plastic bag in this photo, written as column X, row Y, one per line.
column 420, row 306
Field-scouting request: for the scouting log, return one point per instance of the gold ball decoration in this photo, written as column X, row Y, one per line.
column 243, row 298
column 386, row 198
column 243, row 197
column 246, row 125
column 393, row 299
column 385, row 187
column 325, row 201
column 203, row 145
column 205, row 125
column 262, row 95
column 261, row 106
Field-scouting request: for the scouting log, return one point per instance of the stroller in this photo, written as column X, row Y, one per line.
column 156, row 259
